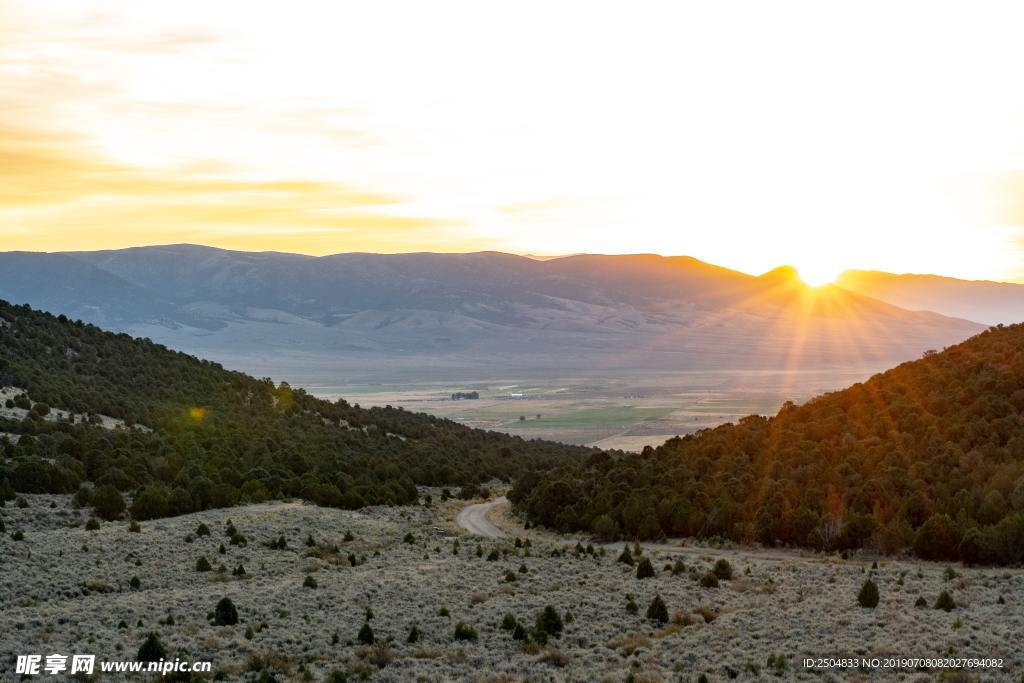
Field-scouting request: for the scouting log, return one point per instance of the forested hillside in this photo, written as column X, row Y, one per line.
column 217, row 437
column 927, row 456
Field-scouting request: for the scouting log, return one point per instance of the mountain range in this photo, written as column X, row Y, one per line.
column 358, row 315
column 986, row 302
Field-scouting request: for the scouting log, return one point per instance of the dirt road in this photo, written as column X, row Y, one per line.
column 473, row 518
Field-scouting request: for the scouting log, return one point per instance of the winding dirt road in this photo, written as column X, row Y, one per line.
column 473, row 518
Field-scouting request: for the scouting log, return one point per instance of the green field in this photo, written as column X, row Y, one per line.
column 611, row 417
column 627, row 412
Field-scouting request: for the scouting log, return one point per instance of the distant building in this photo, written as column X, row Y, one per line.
column 465, row 395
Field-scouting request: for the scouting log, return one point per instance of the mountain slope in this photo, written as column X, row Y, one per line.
column 928, row 455
column 212, row 437
column 376, row 316
column 987, row 302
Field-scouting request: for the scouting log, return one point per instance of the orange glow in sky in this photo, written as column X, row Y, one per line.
column 748, row 134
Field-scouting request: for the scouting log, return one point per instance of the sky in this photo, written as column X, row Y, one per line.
column 827, row 136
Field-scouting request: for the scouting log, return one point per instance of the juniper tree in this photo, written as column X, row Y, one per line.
column 657, row 611
column 225, row 614
column 868, row 596
column 723, row 570
column 549, row 622
column 709, row 580
column 631, row 606
column 108, row 503
column 945, row 602
column 152, row 650
column 464, row 631
column 645, row 569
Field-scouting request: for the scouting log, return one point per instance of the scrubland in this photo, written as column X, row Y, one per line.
column 67, row 589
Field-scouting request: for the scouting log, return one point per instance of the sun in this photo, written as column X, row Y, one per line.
column 818, row 275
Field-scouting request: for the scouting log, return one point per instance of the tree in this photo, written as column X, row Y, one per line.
column 225, row 613
column 723, row 570
column 868, row 595
column 657, row 611
column 605, row 528
column 466, row 632
column 936, row 538
column 366, row 634
column 549, row 622
column 151, row 503
column 203, row 565
column 152, row 650
column 709, row 580
column 625, row 556
column 945, row 602
column 645, row 570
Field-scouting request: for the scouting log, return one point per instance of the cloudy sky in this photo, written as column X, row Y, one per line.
column 823, row 135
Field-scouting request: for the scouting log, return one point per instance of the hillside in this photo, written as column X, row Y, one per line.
column 209, row 437
column 391, row 317
column 928, row 456
column 992, row 303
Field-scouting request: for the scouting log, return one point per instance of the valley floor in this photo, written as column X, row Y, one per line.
column 68, row 590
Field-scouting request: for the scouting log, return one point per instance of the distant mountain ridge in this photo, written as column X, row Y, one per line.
column 470, row 313
column 984, row 301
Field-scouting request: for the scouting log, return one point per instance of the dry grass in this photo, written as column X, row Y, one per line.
column 554, row 657
column 708, row 613
column 379, row 654
column 666, row 631
column 682, row 618
column 628, row 643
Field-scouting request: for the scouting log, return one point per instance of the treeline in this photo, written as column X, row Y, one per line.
column 928, row 456
column 220, row 437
